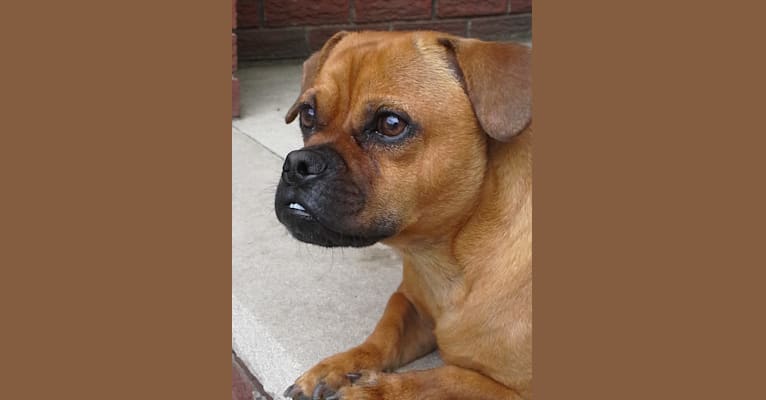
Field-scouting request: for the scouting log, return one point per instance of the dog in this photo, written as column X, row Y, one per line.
column 422, row 141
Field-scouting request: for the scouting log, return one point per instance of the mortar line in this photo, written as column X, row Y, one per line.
column 241, row 132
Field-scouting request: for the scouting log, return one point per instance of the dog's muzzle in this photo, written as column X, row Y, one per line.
column 318, row 201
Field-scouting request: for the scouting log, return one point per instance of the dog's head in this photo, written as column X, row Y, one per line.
column 395, row 127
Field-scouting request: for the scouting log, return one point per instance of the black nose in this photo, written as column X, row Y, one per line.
column 302, row 165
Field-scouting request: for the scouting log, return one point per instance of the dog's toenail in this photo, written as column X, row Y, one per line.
column 318, row 391
column 353, row 376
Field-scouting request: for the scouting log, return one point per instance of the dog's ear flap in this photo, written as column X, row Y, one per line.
column 310, row 69
column 497, row 78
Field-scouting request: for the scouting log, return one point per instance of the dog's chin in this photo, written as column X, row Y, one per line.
column 307, row 228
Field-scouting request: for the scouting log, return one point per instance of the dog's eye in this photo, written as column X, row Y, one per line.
column 308, row 117
column 391, row 125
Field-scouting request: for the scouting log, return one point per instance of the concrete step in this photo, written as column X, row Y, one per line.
column 292, row 303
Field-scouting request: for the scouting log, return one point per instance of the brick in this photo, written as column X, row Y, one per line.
column 256, row 44
column 278, row 13
column 233, row 52
column 452, row 27
column 521, row 6
column 383, row 10
column 247, row 14
column 233, row 14
column 317, row 36
column 501, row 28
column 241, row 387
column 244, row 386
column 234, row 97
column 462, row 8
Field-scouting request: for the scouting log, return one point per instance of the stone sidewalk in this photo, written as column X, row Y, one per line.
column 292, row 303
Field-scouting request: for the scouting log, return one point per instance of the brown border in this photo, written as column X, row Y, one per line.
column 649, row 174
column 648, row 201
column 116, row 171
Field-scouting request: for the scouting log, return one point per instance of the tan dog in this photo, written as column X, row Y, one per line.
column 423, row 141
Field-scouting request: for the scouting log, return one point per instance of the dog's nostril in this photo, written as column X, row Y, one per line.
column 302, row 168
column 309, row 167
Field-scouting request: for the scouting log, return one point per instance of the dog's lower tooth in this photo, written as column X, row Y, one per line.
column 296, row 206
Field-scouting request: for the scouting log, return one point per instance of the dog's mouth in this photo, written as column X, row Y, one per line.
column 315, row 227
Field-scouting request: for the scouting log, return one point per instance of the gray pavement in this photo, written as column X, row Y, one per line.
column 292, row 303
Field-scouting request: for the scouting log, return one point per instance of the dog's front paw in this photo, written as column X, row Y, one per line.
column 325, row 379
column 372, row 385
column 318, row 384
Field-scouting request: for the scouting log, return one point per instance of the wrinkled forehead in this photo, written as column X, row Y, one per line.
column 380, row 65
column 370, row 59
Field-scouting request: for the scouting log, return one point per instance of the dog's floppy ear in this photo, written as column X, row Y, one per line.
column 310, row 69
column 497, row 78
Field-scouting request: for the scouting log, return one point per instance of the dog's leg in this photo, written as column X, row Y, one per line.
column 400, row 337
column 444, row 383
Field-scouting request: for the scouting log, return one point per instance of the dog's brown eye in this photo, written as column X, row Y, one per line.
column 308, row 117
column 391, row 125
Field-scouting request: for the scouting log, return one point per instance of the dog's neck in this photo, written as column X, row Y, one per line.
column 440, row 271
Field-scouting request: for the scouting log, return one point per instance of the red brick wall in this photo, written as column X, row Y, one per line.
column 273, row 29
column 234, row 80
